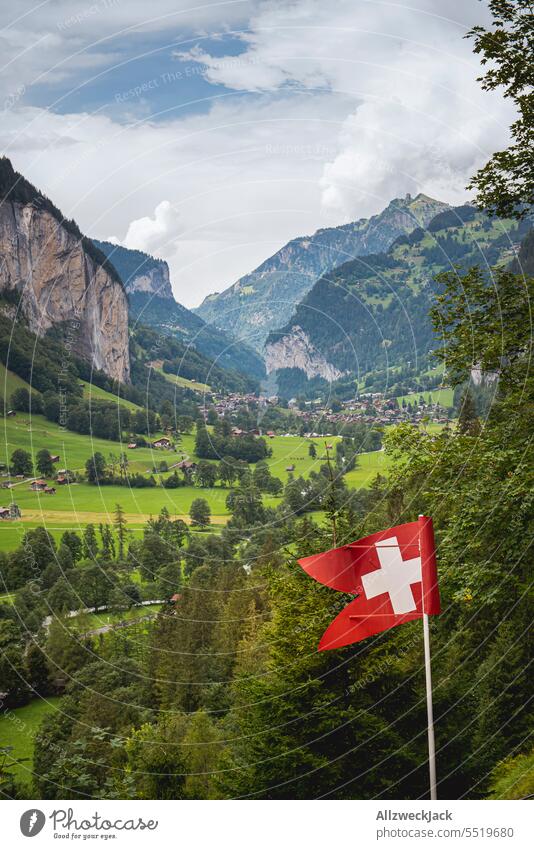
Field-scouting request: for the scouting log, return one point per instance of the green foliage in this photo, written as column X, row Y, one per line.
column 44, row 464
column 513, row 778
column 505, row 185
column 212, row 446
column 200, row 513
column 21, row 462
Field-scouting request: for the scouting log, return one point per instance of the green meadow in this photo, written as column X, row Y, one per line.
column 75, row 505
column 35, row 432
column 184, row 382
column 445, row 397
column 91, row 392
column 9, row 382
column 369, row 466
column 18, row 727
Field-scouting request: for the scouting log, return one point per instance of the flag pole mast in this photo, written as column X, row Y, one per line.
column 428, row 680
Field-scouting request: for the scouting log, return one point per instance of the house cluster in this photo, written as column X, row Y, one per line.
column 41, row 485
column 11, row 512
column 63, row 477
column 231, row 403
column 256, row 431
column 373, row 408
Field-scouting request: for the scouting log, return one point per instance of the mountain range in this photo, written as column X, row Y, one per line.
column 265, row 299
column 372, row 313
column 151, row 302
column 363, row 315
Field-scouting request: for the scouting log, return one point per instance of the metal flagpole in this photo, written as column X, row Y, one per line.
column 429, row 707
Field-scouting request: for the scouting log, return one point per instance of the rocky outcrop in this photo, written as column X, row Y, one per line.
column 295, row 350
column 60, row 277
column 154, row 281
column 265, row 299
column 140, row 272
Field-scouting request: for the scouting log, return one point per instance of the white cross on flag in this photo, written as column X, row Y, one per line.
column 392, row 574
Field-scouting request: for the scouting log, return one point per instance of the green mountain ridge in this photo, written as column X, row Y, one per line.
column 373, row 312
column 265, row 299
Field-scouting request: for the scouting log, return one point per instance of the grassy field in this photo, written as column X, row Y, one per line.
column 9, row 382
column 76, row 505
column 18, row 728
column 74, row 449
column 184, row 381
column 92, row 621
column 369, row 466
column 293, row 451
column 95, row 393
column 434, row 396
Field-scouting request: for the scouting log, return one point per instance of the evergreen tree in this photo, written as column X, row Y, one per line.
column 468, row 423
column 120, row 528
column 89, row 543
column 74, row 543
column 108, row 542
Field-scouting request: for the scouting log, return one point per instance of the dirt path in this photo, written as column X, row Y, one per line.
column 83, row 517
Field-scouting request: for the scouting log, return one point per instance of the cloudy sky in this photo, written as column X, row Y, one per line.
column 211, row 133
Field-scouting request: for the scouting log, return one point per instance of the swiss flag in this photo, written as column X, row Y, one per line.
column 393, row 575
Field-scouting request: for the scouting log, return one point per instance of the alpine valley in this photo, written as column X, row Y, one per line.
column 276, row 547
column 370, row 317
column 265, row 299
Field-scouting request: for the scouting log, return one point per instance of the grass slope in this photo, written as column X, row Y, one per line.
column 184, row 382
column 445, row 397
column 92, row 392
column 74, row 506
column 18, row 728
column 9, row 381
column 75, row 448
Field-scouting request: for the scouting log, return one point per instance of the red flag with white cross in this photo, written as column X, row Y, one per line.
column 392, row 575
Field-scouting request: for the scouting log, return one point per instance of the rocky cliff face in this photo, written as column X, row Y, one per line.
column 295, row 350
column 266, row 299
column 60, row 279
column 139, row 271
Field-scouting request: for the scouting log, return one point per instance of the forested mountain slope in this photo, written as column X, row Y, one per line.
column 266, row 298
column 373, row 312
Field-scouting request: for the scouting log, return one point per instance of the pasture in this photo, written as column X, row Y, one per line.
column 18, row 727
column 78, row 504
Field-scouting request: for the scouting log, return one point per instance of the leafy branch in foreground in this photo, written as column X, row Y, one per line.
column 505, row 185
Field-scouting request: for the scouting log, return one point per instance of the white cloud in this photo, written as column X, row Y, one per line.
column 332, row 110
column 43, row 43
column 419, row 120
column 240, row 180
column 151, row 234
